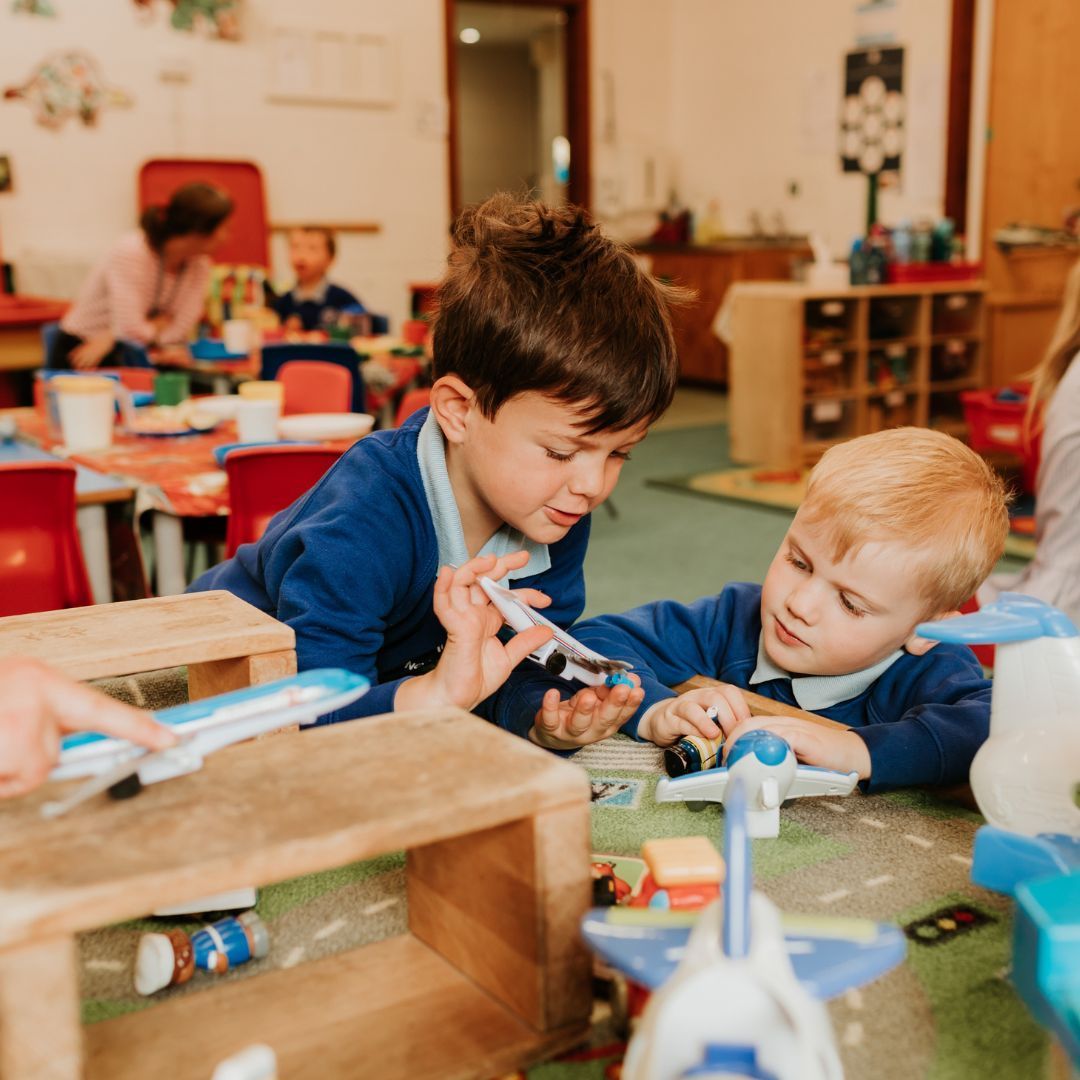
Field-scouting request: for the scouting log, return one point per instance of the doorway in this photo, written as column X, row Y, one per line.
column 517, row 73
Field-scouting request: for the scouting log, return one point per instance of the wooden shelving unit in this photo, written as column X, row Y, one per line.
column 811, row 367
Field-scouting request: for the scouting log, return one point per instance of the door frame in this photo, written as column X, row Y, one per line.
column 578, row 107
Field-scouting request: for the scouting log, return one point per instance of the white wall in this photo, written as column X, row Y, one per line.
column 75, row 188
column 755, row 98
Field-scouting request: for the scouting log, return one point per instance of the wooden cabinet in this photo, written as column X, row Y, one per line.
column 810, row 368
column 709, row 271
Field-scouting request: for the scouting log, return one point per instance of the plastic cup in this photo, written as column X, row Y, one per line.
column 237, row 335
column 262, row 390
column 171, row 387
column 87, row 407
column 257, row 419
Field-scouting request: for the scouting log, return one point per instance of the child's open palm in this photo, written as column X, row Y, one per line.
column 589, row 716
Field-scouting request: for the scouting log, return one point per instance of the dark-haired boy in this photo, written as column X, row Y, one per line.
column 312, row 249
column 552, row 355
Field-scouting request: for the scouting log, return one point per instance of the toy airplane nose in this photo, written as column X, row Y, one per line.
column 768, row 748
column 1012, row 617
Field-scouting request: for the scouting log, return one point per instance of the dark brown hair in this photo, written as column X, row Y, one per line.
column 536, row 298
column 193, row 208
column 324, row 232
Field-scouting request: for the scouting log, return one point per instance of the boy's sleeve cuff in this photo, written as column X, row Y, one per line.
column 902, row 754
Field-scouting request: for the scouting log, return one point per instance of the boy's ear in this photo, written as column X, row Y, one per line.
column 920, row 646
column 451, row 401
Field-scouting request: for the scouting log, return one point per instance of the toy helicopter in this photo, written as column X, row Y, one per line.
column 738, row 987
column 203, row 727
column 770, row 774
column 563, row 654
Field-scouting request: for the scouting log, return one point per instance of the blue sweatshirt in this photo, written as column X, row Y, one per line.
column 334, row 298
column 351, row 567
column 922, row 719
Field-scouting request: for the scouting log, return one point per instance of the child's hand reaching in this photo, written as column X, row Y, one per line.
column 709, row 712
column 813, row 744
column 589, row 716
column 474, row 663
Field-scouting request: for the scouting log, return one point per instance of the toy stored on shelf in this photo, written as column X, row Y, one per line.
column 770, row 773
column 738, row 990
column 170, row 958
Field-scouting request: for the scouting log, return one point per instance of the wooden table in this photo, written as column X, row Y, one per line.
column 491, row 975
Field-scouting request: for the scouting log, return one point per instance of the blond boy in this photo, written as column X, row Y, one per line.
column 897, row 528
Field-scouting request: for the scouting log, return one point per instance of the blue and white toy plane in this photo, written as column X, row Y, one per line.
column 770, row 774
column 739, row 988
column 203, row 727
column 563, row 654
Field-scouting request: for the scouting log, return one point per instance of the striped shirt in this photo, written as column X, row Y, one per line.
column 125, row 288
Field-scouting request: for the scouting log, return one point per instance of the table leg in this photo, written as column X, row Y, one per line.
column 94, row 537
column 40, row 1033
column 169, row 554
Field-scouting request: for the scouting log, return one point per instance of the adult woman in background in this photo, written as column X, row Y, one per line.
column 150, row 287
column 1054, row 574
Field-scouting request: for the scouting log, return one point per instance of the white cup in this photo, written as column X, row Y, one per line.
column 257, row 419
column 237, row 335
column 87, row 409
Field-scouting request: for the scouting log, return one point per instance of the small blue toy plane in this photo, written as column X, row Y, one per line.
column 770, row 774
column 203, row 727
column 738, row 990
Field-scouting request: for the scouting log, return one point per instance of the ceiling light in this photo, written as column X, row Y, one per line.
column 469, row 36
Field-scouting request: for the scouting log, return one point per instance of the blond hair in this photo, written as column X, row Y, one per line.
column 921, row 488
column 1064, row 345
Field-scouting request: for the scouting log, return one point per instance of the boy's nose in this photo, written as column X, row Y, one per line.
column 588, row 479
column 800, row 602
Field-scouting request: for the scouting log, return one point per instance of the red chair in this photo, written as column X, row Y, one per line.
column 412, row 401
column 134, row 378
column 312, row 386
column 41, row 560
column 266, row 479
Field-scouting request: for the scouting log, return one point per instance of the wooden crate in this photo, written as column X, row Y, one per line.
column 491, row 975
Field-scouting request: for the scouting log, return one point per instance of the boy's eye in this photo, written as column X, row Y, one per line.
column 556, row 456
column 851, row 608
column 622, row 455
column 796, row 561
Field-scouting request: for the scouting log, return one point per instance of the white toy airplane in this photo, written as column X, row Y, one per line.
column 563, row 655
column 770, row 774
column 203, row 727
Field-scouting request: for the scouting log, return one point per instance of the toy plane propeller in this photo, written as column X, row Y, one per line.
column 563, row 655
column 203, row 727
column 770, row 774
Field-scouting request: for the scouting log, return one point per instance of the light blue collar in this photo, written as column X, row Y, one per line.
column 817, row 692
column 431, row 455
column 316, row 293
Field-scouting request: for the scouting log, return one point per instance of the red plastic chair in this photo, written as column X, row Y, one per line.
column 412, row 401
column 41, row 559
column 266, row 479
column 312, row 386
column 134, row 378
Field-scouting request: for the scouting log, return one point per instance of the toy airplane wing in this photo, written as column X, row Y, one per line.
column 829, row 955
column 563, row 655
column 203, row 727
column 811, row 780
column 707, row 786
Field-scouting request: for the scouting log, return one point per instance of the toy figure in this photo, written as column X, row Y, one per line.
column 170, row 959
column 684, row 874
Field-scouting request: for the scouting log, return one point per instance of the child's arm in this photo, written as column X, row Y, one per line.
column 474, row 663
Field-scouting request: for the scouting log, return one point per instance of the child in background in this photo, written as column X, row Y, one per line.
column 311, row 252
column 897, row 528
column 553, row 353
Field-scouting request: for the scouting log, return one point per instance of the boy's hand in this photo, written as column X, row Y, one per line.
column 812, row 744
column 474, row 663
column 710, row 712
column 589, row 716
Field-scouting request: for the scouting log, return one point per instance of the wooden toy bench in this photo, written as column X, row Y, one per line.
column 490, row 976
column 225, row 643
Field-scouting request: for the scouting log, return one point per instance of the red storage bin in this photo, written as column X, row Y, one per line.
column 920, row 273
column 994, row 424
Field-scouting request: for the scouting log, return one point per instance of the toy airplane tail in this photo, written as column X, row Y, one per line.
column 1024, row 773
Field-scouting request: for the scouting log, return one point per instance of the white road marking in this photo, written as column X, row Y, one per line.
column 963, row 860
column 381, row 905
column 853, row 1034
column 920, row 840
column 832, row 897
column 836, row 808
column 873, row 823
column 329, row 930
column 105, row 965
column 294, row 957
column 853, row 998
column 874, row 882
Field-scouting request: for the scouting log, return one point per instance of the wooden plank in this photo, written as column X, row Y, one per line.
column 144, row 635
column 392, row 1010
column 270, row 810
column 334, row 226
column 40, row 1036
column 503, row 906
column 219, row 676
